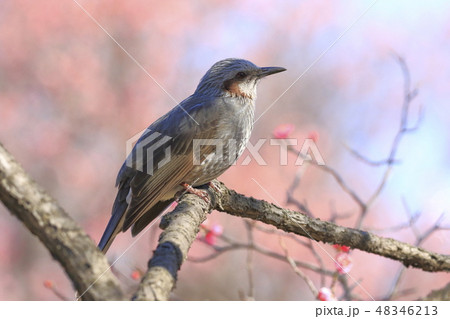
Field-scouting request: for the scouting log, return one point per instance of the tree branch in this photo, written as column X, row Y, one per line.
column 182, row 225
column 89, row 270
column 442, row 294
column 239, row 205
column 86, row 266
column 180, row 229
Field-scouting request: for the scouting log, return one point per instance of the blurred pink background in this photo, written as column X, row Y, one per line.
column 70, row 97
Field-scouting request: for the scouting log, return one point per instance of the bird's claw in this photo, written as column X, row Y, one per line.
column 200, row 193
column 211, row 184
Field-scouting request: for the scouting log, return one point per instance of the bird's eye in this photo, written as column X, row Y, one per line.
column 241, row 75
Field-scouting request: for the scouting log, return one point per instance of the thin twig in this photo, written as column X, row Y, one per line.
column 408, row 96
column 393, row 291
column 297, row 270
column 219, row 250
column 251, row 285
column 306, row 243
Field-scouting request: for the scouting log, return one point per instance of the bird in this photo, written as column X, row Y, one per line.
column 194, row 143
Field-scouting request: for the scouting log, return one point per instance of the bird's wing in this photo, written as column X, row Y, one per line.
column 148, row 187
column 147, row 190
column 149, row 216
column 151, row 189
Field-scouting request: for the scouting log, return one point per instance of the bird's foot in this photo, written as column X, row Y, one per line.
column 200, row 193
column 211, row 184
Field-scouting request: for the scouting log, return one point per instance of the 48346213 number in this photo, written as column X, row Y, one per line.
column 407, row 310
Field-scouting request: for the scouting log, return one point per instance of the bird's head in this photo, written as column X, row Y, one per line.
column 234, row 77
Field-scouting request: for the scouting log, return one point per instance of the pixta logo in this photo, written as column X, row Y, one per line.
column 148, row 150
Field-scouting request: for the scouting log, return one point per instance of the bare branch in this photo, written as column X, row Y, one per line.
column 339, row 179
column 219, row 250
column 180, row 229
column 408, row 96
column 89, row 270
column 442, row 294
column 368, row 161
column 300, row 273
column 239, row 205
column 251, row 286
column 86, row 266
column 393, row 292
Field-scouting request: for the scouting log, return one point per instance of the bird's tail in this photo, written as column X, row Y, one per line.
column 115, row 224
column 112, row 229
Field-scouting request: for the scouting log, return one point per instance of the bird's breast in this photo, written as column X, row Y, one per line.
column 232, row 129
column 238, row 120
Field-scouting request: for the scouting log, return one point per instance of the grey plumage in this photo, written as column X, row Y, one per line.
column 221, row 109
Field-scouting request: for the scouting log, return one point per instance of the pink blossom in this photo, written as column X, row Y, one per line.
column 211, row 232
column 210, row 238
column 136, row 274
column 283, row 130
column 343, row 263
column 48, row 284
column 313, row 135
column 342, row 248
column 217, row 229
column 325, row 294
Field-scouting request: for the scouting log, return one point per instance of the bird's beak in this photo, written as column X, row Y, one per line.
column 270, row 70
